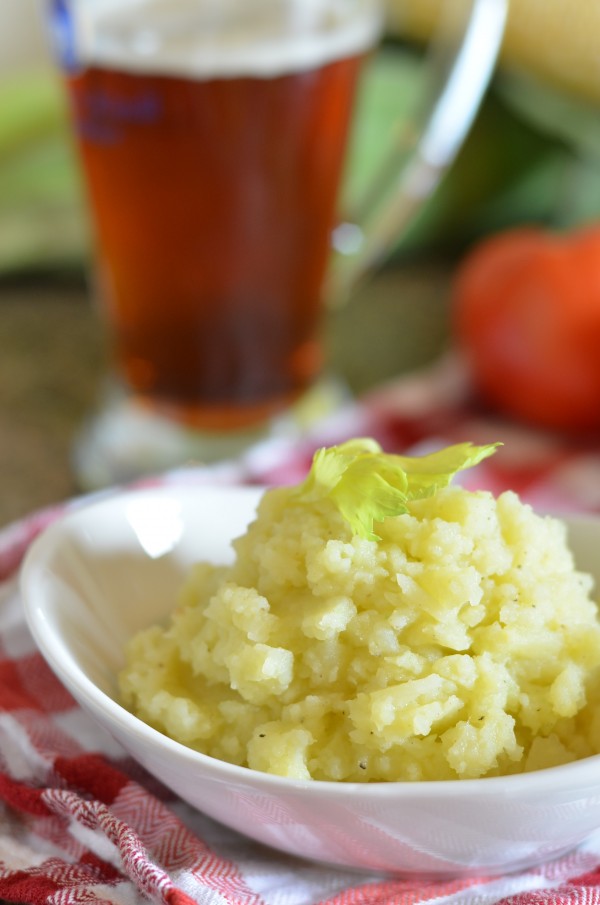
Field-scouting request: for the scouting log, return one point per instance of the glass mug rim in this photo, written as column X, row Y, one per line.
column 106, row 32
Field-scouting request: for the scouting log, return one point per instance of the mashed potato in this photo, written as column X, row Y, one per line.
column 461, row 643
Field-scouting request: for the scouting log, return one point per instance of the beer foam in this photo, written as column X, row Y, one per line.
column 222, row 38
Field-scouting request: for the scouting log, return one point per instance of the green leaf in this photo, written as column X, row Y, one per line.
column 368, row 485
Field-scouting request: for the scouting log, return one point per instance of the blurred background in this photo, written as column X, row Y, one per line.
column 533, row 156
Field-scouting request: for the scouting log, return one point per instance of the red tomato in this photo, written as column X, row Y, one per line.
column 526, row 309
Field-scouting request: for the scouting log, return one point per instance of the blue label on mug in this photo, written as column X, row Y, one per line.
column 63, row 32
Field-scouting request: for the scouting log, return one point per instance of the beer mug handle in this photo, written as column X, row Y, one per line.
column 460, row 70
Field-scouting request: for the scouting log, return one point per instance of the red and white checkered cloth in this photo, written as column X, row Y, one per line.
column 81, row 823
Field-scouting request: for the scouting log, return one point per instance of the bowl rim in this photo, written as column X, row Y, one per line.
column 38, row 558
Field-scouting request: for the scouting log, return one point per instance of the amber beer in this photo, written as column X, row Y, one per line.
column 213, row 198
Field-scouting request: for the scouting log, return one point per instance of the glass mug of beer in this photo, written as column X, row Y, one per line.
column 212, row 136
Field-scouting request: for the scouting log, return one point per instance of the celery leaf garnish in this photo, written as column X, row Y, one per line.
column 368, row 485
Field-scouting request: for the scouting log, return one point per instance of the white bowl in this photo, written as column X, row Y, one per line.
column 108, row 569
